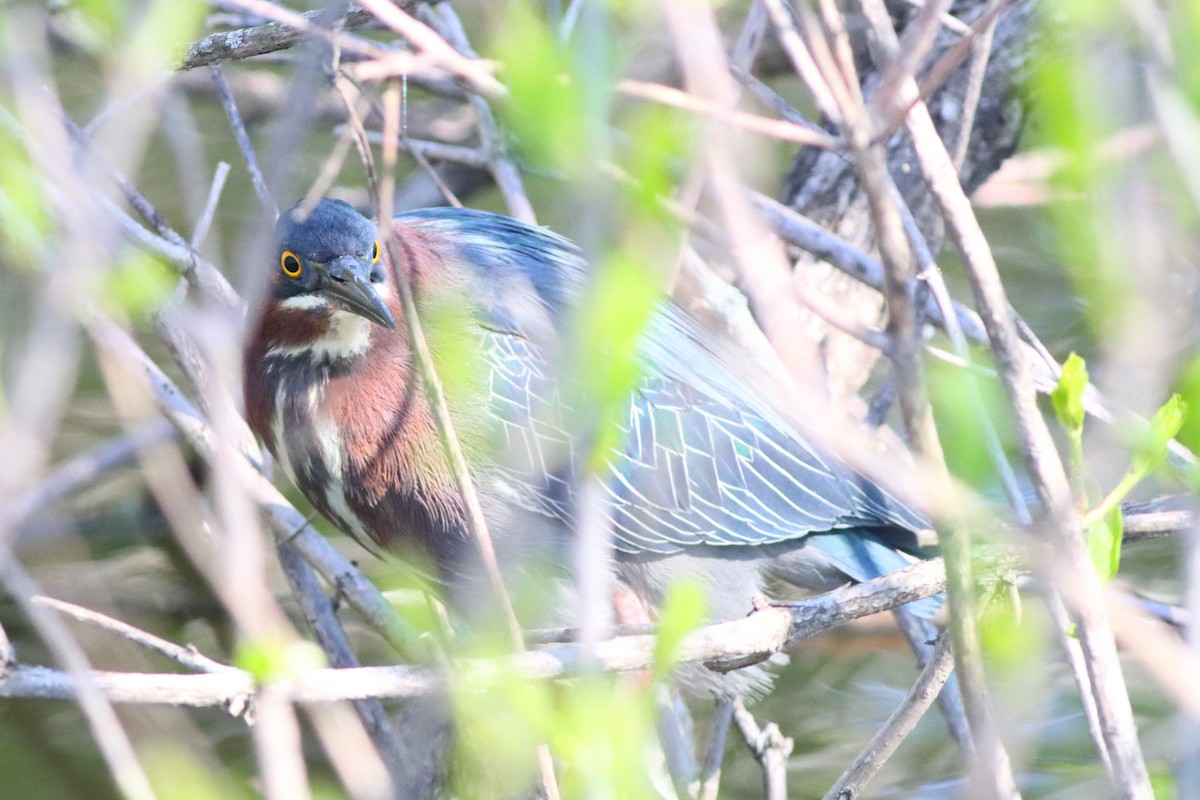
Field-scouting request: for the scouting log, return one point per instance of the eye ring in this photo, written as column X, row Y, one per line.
column 289, row 262
column 375, row 252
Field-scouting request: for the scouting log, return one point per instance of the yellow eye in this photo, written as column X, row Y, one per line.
column 375, row 252
column 291, row 264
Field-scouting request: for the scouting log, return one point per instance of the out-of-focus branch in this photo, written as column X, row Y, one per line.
column 1080, row 584
column 268, row 38
column 84, row 687
column 898, row 726
column 770, row 748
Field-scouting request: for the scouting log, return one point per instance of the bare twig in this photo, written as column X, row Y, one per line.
column 769, row 746
column 268, row 38
column 80, row 472
column 184, row 656
column 465, row 65
column 436, row 151
column 200, row 232
column 503, row 169
column 710, row 770
column 747, row 640
column 1081, row 585
column 898, row 726
column 243, row 141
column 377, row 773
column 436, row 398
column 802, row 59
column 981, row 51
column 777, row 129
column 994, row 771
column 109, row 735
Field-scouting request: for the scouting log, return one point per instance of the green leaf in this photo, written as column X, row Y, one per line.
column 1104, row 543
column 1165, row 424
column 684, row 609
column 1067, row 396
column 138, row 283
column 552, row 101
column 268, row 659
column 1007, row 634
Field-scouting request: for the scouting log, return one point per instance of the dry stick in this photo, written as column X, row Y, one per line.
column 384, row 768
column 302, row 25
column 750, row 38
column 992, row 764
column 81, row 471
column 187, row 657
column 419, row 35
column 981, row 52
column 436, row 151
column 917, row 40
column 775, row 128
column 268, row 38
column 1083, row 595
column 769, row 746
column 111, row 739
column 796, row 229
column 243, row 141
column 436, row 398
column 678, row 750
column 504, row 171
column 754, row 637
column 204, row 223
column 934, row 283
column 1075, row 658
column 8, row 656
column 802, row 60
column 898, row 726
column 948, row 21
column 773, row 100
column 941, row 70
column 200, row 272
column 710, row 771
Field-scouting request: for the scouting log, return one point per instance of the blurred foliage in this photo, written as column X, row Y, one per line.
column 564, row 123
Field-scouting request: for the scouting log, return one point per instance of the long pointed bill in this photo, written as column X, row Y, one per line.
column 348, row 281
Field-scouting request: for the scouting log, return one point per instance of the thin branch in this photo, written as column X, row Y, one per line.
column 436, row 398
column 187, row 657
column 770, row 748
column 243, row 141
column 268, row 38
column 467, row 66
column 981, row 52
column 750, row 639
column 435, row 151
column 911, row 50
column 204, row 223
column 802, row 59
column 775, row 128
column 81, row 472
column 992, row 767
column 504, row 170
column 710, row 770
column 83, row 685
column 378, row 773
column 1081, row 586
column 898, row 726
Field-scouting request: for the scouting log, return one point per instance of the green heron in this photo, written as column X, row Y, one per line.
column 707, row 480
